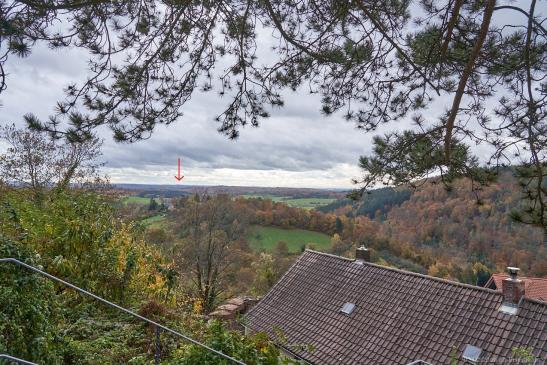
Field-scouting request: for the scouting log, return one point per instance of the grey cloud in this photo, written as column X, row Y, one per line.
column 280, row 143
column 296, row 138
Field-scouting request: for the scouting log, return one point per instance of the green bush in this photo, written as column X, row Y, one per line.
column 255, row 350
column 75, row 235
column 80, row 240
column 28, row 309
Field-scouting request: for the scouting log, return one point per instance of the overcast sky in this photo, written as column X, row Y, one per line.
column 295, row 147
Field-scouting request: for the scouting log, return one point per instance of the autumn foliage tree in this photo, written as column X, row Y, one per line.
column 209, row 227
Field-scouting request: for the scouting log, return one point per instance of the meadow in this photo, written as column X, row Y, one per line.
column 137, row 200
column 266, row 238
column 155, row 221
column 304, row 203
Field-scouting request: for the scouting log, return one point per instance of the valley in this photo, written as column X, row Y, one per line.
column 400, row 226
column 273, row 182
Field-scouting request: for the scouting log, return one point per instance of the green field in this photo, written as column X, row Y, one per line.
column 305, row 203
column 137, row 200
column 155, row 221
column 265, row 238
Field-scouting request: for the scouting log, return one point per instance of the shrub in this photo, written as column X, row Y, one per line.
column 255, row 350
column 28, row 309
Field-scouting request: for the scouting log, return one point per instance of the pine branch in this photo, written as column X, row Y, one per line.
column 488, row 11
column 381, row 29
column 450, row 28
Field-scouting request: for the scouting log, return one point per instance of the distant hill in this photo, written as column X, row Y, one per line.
column 453, row 226
column 181, row 190
column 374, row 204
column 433, row 217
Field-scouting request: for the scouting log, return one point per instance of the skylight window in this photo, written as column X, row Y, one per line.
column 471, row 353
column 347, row 308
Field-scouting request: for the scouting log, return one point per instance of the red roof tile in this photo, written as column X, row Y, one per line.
column 399, row 316
column 535, row 288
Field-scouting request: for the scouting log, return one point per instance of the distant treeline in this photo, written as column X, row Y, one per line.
column 374, row 204
column 148, row 190
column 163, row 194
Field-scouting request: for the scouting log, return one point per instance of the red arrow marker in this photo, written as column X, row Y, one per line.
column 179, row 177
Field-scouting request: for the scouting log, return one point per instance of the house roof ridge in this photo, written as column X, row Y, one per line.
column 330, row 254
column 411, row 273
column 531, row 278
column 535, row 300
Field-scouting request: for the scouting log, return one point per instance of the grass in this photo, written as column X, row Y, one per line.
column 305, row 203
column 155, row 221
column 266, row 238
column 137, row 200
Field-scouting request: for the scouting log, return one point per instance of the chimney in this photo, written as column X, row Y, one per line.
column 362, row 254
column 512, row 287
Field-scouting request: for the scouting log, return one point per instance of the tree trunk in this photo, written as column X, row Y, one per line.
column 465, row 76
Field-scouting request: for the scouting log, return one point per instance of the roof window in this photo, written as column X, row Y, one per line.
column 347, row 308
column 471, row 353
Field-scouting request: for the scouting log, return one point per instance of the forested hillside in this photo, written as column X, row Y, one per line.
column 455, row 228
column 375, row 203
column 447, row 222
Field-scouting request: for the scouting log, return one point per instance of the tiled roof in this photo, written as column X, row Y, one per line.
column 536, row 288
column 399, row 316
